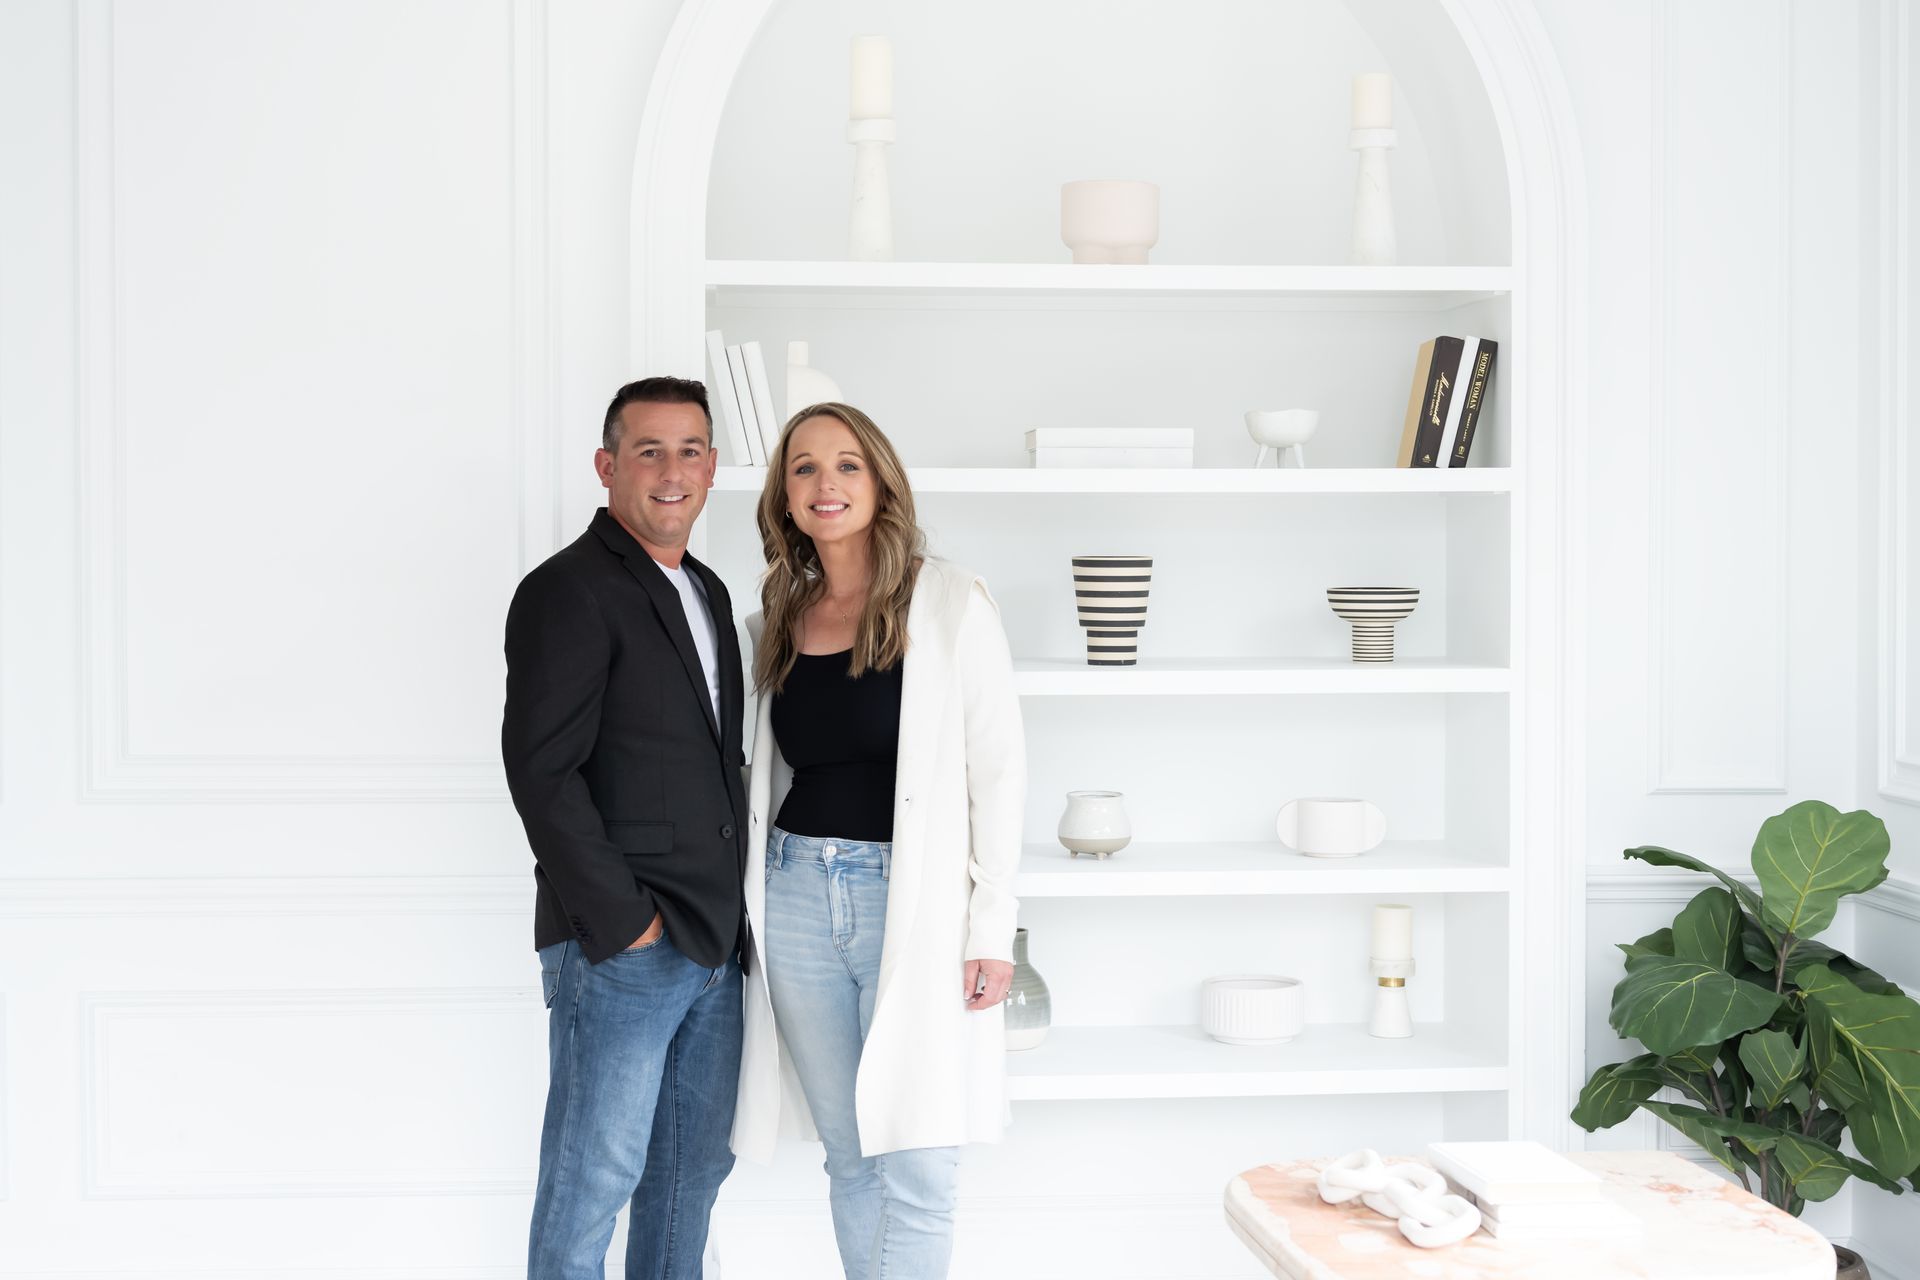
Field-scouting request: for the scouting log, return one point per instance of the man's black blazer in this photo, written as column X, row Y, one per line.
column 630, row 792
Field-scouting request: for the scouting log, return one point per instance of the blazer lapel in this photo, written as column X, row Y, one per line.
column 733, row 695
column 666, row 603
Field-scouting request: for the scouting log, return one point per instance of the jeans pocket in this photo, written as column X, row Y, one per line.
column 644, row 947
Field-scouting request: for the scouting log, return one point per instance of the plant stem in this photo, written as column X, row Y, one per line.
column 1719, row 1102
column 1780, row 969
column 1813, row 1112
column 1766, row 1180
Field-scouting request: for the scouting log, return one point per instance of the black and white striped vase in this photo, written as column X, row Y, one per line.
column 1373, row 611
column 1111, row 595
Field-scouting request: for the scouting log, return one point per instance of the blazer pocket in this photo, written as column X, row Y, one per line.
column 641, row 837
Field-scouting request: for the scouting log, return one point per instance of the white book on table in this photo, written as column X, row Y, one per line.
column 737, row 371
column 725, row 405
column 1110, row 438
column 1450, row 432
column 762, row 393
column 1529, row 1235
column 1045, row 457
column 1513, row 1172
column 1556, row 1213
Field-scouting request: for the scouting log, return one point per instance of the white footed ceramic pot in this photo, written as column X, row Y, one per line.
column 1095, row 822
column 1105, row 220
column 1330, row 826
column 1253, row 1008
column 1283, row 433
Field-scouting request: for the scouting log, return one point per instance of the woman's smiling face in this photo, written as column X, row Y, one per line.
column 831, row 493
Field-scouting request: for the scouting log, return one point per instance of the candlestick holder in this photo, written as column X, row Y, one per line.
column 1373, row 237
column 870, row 221
column 1391, row 1018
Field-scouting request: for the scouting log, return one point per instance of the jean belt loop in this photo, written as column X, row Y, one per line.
column 886, row 861
column 779, row 851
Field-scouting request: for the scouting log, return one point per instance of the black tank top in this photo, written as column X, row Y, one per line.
column 842, row 737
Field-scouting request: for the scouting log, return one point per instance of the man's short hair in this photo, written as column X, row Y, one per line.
column 653, row 391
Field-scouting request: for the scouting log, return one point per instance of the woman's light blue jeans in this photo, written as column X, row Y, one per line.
column 826, row 915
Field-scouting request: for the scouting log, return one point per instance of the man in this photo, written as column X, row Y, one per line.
column 622, row 748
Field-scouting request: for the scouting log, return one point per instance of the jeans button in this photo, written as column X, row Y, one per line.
column 831, row 850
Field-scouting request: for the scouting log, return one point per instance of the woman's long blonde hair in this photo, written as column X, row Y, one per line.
column 794, row 581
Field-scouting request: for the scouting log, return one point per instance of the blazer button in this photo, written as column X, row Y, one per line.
column 726, row 832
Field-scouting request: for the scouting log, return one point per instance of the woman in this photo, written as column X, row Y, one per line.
column 888, row 786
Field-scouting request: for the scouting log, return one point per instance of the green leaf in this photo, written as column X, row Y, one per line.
column 1692, row 1122
column 1614, row 1091
column 1809, row 857
column 1828, row 1126
column 1657, row 943
column 1707, row 930
column 1659, row 857
column 1806, row 952
column 1735, row 1085
column 1818, row 1171
column 1671, row 1005
column 1878, row 1037
column 1799, row 1096
column 1774, row 1062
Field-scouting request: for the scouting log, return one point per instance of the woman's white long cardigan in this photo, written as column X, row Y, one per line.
column 932, row 1074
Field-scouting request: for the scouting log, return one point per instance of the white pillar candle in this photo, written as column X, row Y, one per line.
column 1373, row 101
column 1392, row 932
column 872, row 78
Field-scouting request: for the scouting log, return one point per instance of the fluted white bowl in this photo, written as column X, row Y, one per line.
column 1253, row 1008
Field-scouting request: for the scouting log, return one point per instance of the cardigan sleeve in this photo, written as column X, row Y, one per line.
column 996, row 776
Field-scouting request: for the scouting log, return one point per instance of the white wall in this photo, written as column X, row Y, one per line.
column 310, row 311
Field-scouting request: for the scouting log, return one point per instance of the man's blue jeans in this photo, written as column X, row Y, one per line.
column 643, row 1054
column 826, row 917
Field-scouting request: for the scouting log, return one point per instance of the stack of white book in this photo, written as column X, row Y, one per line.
column 741, row 401
column 1110, row 447
column 1526, row 1192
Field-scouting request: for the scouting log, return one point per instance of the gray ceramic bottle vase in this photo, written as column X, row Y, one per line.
column 1029, row 1004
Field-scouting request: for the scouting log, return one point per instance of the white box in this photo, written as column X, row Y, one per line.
column 1044, row 457
column 1110, row 438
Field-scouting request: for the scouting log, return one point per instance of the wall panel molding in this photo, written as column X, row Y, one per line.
column 252, row 897
column 1676, row 702
column 1897, row 736
column 110, row 770
column 105, row 1014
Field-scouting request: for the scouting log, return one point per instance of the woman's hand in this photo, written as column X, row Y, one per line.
column 985, row 983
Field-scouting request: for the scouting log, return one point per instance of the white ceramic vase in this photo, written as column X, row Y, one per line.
column 806, row 385
column 1095, row 822
column 1106, row 220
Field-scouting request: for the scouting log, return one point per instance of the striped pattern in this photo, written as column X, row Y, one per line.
column 1111, row 595
column 1373, row 611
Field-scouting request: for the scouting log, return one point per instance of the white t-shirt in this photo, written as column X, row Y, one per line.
column 693, row 599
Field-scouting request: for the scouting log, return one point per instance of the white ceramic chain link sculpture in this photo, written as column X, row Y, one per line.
column 1413, row 1194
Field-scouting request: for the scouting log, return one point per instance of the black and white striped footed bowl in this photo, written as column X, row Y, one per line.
column 1373, row 611
column 1111, row 595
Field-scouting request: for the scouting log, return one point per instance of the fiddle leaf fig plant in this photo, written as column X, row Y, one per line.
column 1762, row 1045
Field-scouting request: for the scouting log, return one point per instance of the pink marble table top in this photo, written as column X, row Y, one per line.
column 1695, row 1225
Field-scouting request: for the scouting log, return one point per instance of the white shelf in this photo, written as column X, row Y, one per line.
column 1241, row 677
column 1206, row 480
column 1237, row 870
column 1184, row 1062
column 1411, row 288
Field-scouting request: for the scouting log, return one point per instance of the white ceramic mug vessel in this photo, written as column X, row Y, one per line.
column 1109, row 220
column 1095, row 822
column 1253, row 1008
column 1330, row 826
